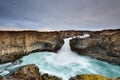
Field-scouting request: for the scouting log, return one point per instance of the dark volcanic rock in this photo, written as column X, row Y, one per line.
column 1, row 78
column 48, row 77
column 15, row 44
column 29, row 72
column 104, row 45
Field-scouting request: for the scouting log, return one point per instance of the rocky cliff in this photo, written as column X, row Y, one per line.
column 102, row 45
column 15, row 44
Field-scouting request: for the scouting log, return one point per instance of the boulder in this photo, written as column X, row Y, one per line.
column 29, row 72
column 49, row 77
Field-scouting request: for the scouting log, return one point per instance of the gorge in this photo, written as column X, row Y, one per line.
column 64, row 62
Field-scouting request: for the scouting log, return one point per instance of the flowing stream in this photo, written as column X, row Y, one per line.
column 64, row 64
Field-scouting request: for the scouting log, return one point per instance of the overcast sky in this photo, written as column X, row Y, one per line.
column 59, row 14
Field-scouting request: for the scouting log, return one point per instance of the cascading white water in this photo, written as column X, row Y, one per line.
column 66, row 64
column 64, row 56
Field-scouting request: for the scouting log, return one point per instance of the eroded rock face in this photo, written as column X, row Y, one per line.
column 104, row 45
column 90, row 77
column 15, row 44
column 29, row 72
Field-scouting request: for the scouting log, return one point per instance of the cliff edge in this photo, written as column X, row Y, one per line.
column 102, row 45
column 15, row 44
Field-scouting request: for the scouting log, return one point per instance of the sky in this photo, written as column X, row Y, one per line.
column 50, row 15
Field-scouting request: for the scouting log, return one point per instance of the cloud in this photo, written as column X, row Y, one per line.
column 8, row 28
column 46, row 29
column 62, row 14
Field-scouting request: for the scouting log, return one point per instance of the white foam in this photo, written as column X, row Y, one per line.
column 83, row 36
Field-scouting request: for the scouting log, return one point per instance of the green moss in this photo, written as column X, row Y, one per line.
column 90, row 77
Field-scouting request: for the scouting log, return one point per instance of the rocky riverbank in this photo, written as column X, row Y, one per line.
column 15, row 44
column 102, row 45
column 31, row 72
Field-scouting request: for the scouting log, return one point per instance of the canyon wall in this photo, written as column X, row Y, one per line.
column 15, row 44
column 102, row 45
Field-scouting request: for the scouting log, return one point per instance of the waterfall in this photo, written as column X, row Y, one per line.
column 66, row 64
column 65, row 56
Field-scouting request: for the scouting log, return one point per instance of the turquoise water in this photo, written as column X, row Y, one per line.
column 66, row 64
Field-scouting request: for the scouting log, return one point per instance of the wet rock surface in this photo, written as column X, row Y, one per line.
column 15, row 44
column 90, row 77
column 29, row 72
column 48, row 77
column 104, row 45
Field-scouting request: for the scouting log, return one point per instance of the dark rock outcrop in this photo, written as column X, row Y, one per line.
column 70, row 33
column 29, row 72
column 104, row 45
column 90, row 77
column 15, row 44
column 48, row 77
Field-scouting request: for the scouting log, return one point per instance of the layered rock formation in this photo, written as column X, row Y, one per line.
column 102, row 45
column 15, row 44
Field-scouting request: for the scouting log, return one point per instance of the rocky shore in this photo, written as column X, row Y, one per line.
column 15, row 44
column 31, row 72
column 102, row 45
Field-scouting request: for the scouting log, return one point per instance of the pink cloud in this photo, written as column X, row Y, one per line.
column 46, row 29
